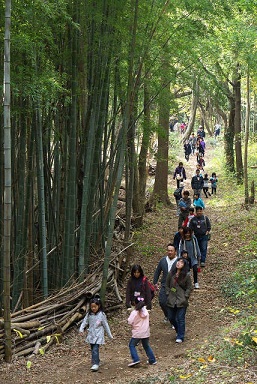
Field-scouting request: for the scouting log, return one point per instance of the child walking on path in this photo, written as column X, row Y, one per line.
column 206, row 185
column 198, row 202
column 139, row 319
column 213, row 180
column 96, row 322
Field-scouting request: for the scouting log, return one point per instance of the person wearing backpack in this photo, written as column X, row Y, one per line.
column 162, row 269
column 201, row 226
column 138, row 286
column 178, row 195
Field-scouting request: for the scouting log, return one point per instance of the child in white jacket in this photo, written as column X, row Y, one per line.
column 96, row 322
column 139, row 319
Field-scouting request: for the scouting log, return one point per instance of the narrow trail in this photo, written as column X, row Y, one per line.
column 70, row 362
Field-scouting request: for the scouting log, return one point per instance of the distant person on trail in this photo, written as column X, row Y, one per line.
column 184, row 205
column 201, row 161
column 178, row 195
column 189, row 243
column 178, row 237
column 206, row 185
column 187, row 149
column 189, row 217
column 162, row 269
column 201, row 226
column 96, row 323
column 200, row 131
column 217, row 130
column 139, row 320
column 178, row 289
column 192, row 142
column 137, row 286
column 179, row 174
column 213, row 180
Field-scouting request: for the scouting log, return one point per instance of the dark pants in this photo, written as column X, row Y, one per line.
column 195, row 273
column 163, row 301
column 206, row 191
column 203, row 244
column 177, row 316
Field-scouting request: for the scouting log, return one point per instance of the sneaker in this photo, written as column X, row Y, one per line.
column 179, row 341
column 172, row 327
column 133, row 363
column 95, row 367
column 154, row 363
column 166, row 320
column 197, row 286
column 202, row 264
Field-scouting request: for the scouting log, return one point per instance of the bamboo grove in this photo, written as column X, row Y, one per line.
column 91, row 83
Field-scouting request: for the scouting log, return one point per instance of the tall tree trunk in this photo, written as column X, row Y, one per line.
column 129, row 121
column 205, row 119
column 41, row 200
column 139, row 209
column 68, row 265
column 229, row 134
column 195, row 99
column 160, row 191
column 247, row 122
column 7, row 186
column 238, row 133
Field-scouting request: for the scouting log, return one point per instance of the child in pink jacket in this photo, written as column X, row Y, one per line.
column 139, row 319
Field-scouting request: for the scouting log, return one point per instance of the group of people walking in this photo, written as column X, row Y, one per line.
column 186, row 252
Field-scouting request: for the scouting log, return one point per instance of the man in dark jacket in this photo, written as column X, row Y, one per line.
column 201, row 226
column 163, row 267
column 197, row 182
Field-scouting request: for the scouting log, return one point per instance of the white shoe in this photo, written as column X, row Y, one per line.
column 133, row 363
column 197, row 286
column 95, row 367
column 179, row 341
column 166, row 320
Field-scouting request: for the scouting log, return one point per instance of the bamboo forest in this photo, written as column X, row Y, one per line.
column 89, row 88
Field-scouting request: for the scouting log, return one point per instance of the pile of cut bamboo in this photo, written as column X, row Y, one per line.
column 39, row 326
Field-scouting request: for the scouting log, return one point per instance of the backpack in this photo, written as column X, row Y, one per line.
column 151, row 286
column 177, row 193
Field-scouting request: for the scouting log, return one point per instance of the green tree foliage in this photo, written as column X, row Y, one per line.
column 84, row 73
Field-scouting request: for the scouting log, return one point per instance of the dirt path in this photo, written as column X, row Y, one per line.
column 69, row 362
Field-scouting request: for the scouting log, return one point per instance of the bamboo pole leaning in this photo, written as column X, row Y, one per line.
column 36, row 328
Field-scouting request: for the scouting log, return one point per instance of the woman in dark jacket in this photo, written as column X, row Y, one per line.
column 137, row 286
column 178, row 288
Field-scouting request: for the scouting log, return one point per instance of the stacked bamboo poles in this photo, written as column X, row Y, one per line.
column 36, row 328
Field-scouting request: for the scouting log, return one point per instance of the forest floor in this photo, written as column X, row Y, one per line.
column 207, row 319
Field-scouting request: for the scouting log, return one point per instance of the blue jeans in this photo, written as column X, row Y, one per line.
column 148, row 350
column 203, row 243
column 177, row 316
column 95, row 354
column 163, row 301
